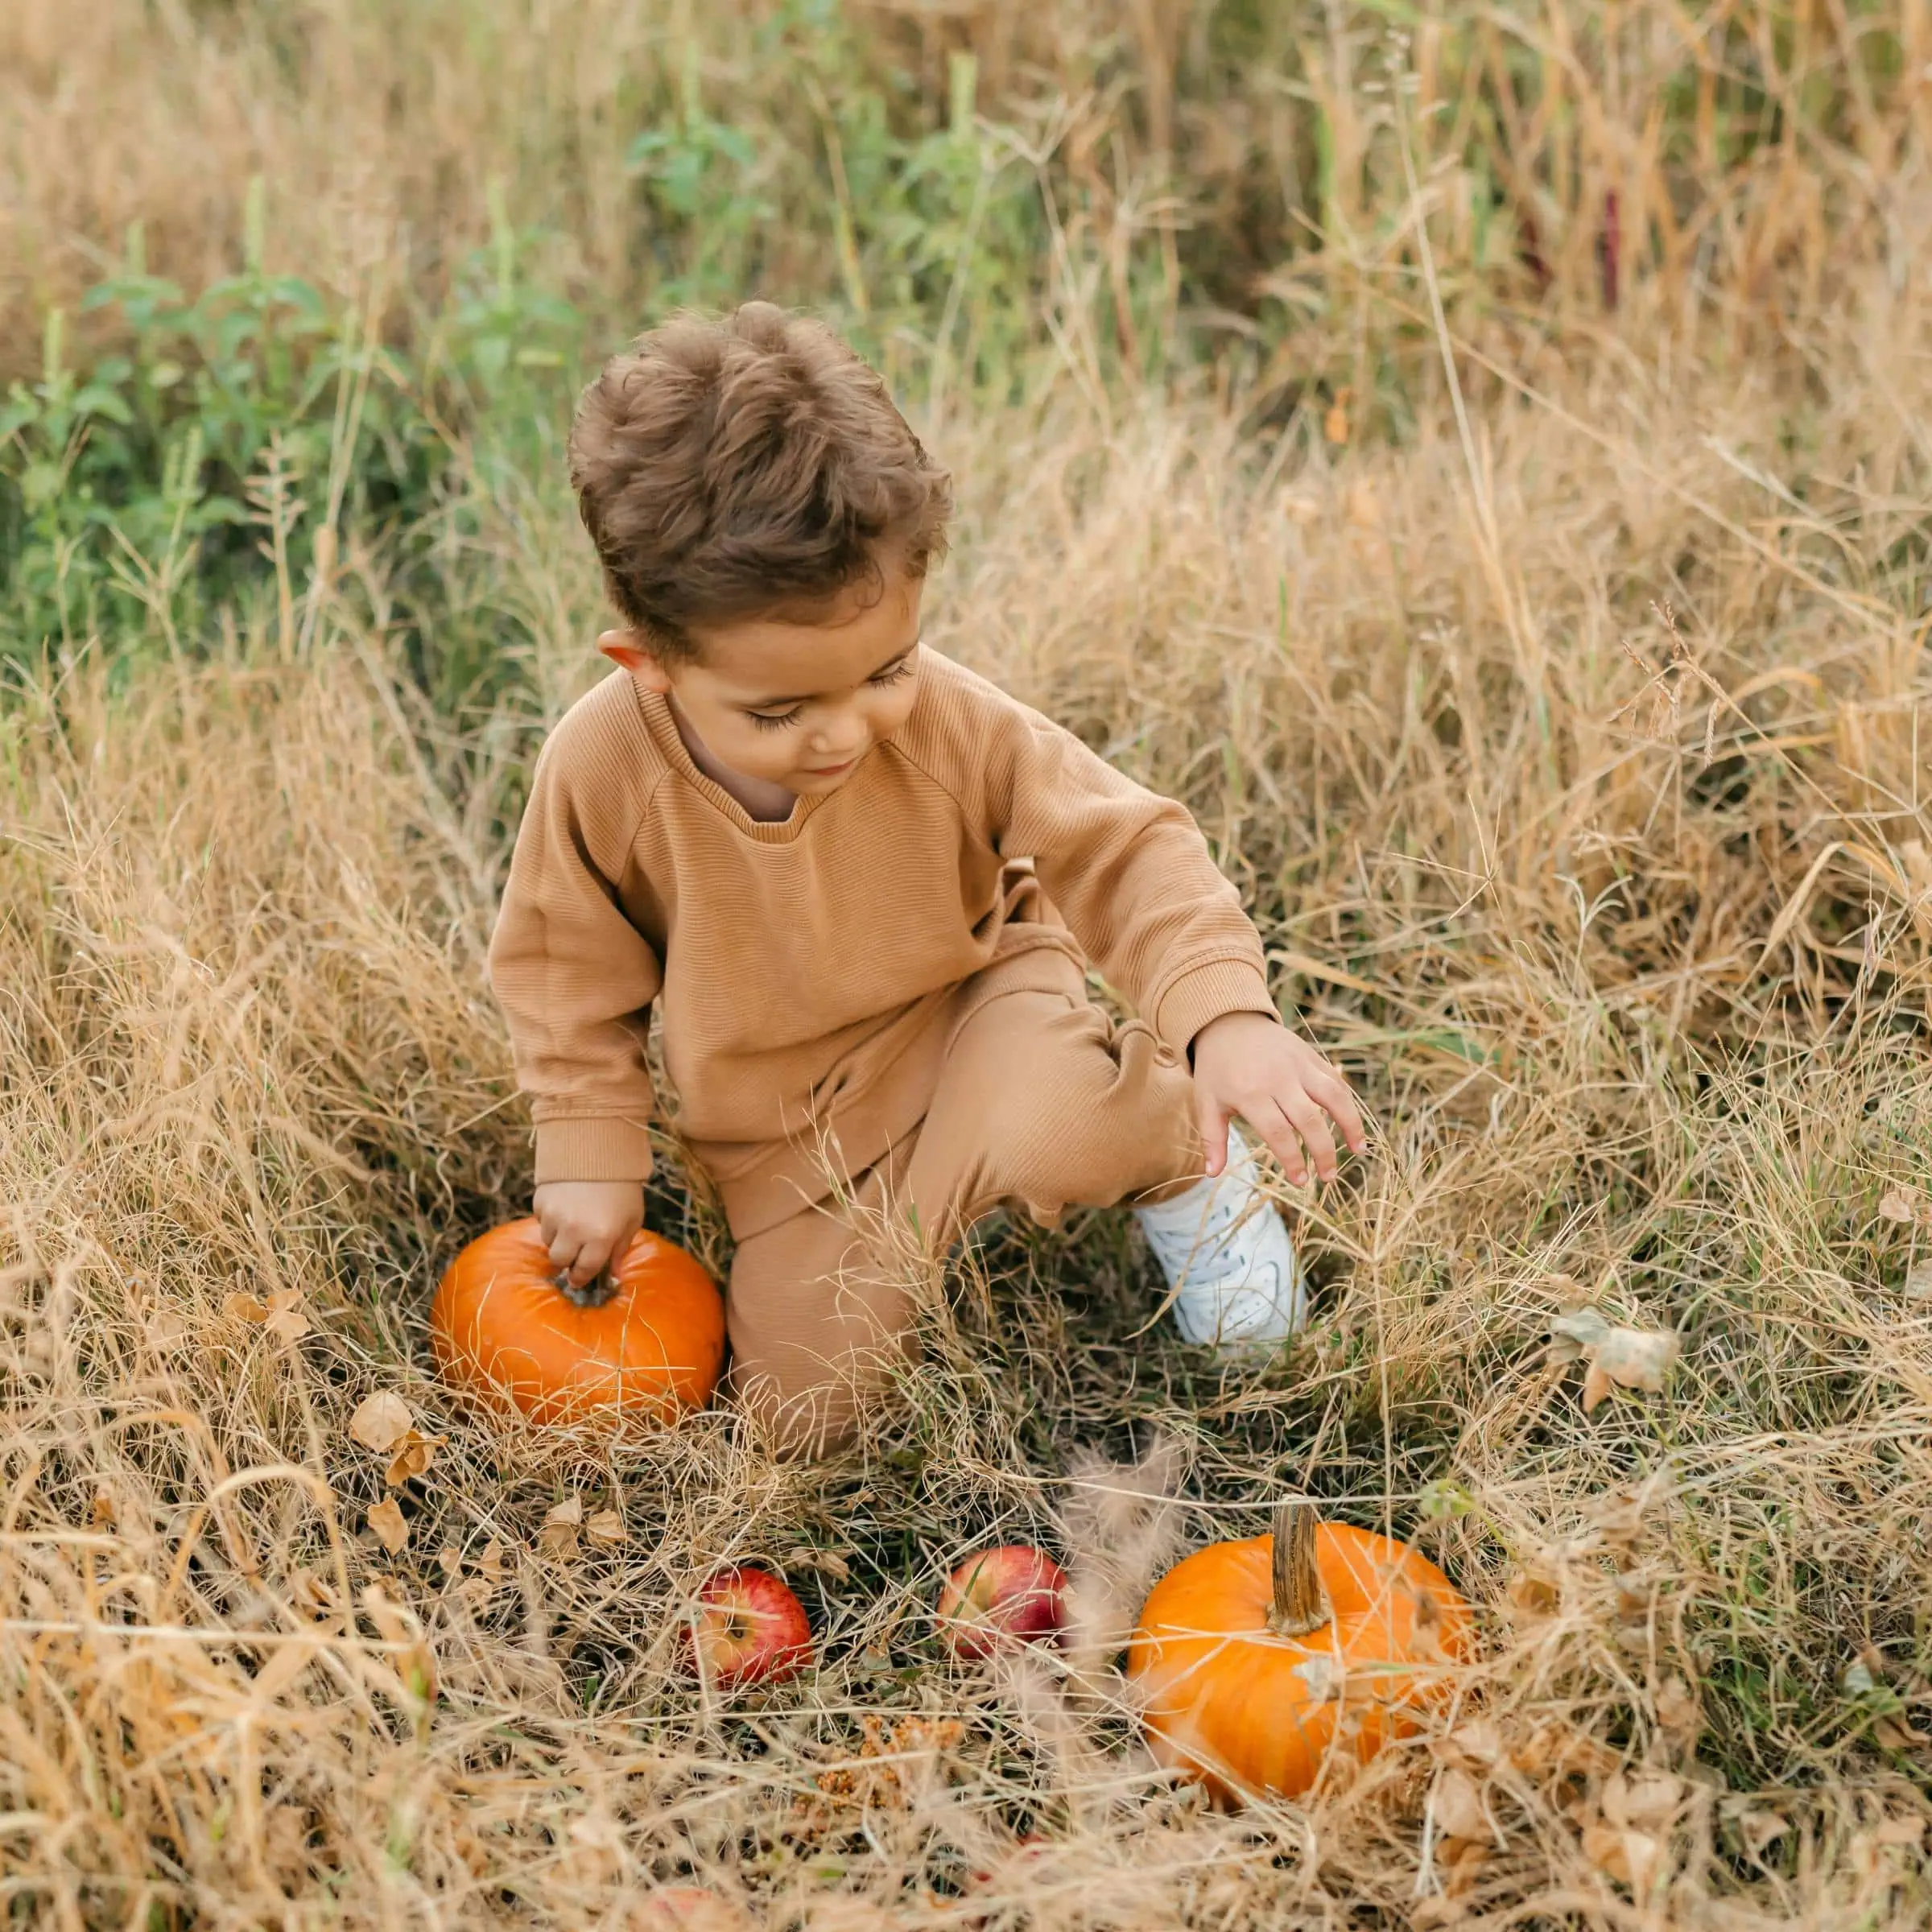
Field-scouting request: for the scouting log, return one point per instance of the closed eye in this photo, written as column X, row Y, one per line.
column 764, row 720
column 893, row 673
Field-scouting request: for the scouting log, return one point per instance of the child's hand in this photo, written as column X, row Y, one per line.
column 587, row 1224
column 1250, row 1064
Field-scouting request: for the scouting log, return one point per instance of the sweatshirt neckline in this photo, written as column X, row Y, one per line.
column 655, row 708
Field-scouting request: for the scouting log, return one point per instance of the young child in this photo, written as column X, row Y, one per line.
column 860, row 885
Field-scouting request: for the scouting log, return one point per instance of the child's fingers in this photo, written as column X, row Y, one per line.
column 1306, row 1117
column 592, row 1258
column 1333, row 1094
column 1270, row 1119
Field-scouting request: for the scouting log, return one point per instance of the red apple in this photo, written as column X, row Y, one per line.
column 749, row 1629
column 1001, row 1598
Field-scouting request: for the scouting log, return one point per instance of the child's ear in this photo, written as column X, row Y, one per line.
column 628, row 648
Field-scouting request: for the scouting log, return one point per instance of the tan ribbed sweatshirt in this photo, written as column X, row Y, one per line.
column 807, row 974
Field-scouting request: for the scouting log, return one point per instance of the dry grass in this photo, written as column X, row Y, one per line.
column 1201, row 163
column 1620, row 923
column 1571, row 756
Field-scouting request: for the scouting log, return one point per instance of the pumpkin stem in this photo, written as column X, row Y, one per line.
column 594, row 1294
column 1300, row 1603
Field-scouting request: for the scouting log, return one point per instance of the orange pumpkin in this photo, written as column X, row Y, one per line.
column 647, row 1338
column 1256, row 1662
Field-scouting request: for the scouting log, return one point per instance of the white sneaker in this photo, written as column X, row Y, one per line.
column 1223, row 1246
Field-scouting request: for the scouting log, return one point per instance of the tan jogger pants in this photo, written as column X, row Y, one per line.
column 1042, row 1101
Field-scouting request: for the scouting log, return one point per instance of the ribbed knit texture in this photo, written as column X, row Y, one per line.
column 808, row 973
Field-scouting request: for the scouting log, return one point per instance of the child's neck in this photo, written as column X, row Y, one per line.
column 768, row 804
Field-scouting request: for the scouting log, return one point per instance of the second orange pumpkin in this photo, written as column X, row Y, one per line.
column 1255, row 1662
column 503, row 1328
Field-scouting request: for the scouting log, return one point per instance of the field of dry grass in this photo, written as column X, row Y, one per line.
column 1568, row 747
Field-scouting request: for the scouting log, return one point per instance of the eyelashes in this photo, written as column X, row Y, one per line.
column 762, row 721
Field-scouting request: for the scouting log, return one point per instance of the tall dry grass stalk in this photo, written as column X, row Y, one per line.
column 1574, row 766
column 1221, row 159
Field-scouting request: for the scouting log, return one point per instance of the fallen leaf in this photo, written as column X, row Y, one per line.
column 101, row 1510
column 558, row 1536
column 828, row 1563
column 1632, row 1858
column 489, row 1561
column 1575, row 1333
column 1634, row 1358
column 1637, row 1358
column 167, row 1328
column 240, row 1307
column 1898, row 1206
column 311, row 1592
column 1465, row 1859
column 1459, row 1807
column 1533, row 1594
column 449, row 1559
column 1859, row 1678
column 381, row 1421
column 391, row 1530
column 285, row 1320
column 1758, row 1829
column 1561, row 1747
column 607, row 1528
column 1430, row 1915
column 1918, row 1280
column 1678, row 1710
column 410, row 1457
column 1335, row 424
column 1476, row 1746
column 1894, row 1732
column 1642, row 1802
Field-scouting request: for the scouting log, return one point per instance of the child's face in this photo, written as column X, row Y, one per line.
column 794, row 705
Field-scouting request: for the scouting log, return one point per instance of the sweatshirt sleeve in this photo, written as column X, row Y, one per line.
column 574, row 977
column 1131, row 875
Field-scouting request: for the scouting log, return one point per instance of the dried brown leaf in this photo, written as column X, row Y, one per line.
column 1575, row 1333
column 1643, row 1802
column 381, row 1421
column 558, row 1537
column 240, row 1307
column 1476, row 1745
column 411, row 1457
column 1896, row 1205
column 1678, row 1709
column 285, row 1320
column 1637, row 1358
column 1459, row 1807
column 606, row 1527
column 1632, row 1358
column 1893, row 1732
column 1596, row 1385
column 387, row 1521
column 1632, row 1858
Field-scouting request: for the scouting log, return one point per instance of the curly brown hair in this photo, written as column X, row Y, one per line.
column 745, row 467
